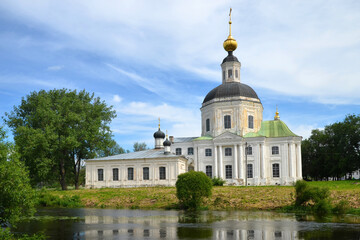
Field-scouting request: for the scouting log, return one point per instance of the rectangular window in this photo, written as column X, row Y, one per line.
column 130, row 173
column 228, row 171
column 275, row 150
column 209, row 171
column 207, row 125
column 162, row 173
column 251, row 121
column 146, row 173
column 223, row 75
column 250, row 171
column 100, row 174
column 276, row 170
column 208, row 152
column 190, row 151
column 228, row 151
column 248, row 150
column 227, row 121
column 115, row 174
column 230, row 73
column 236, row 74
column 178, row 151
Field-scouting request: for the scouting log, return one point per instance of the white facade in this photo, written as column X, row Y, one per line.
column 138, row 169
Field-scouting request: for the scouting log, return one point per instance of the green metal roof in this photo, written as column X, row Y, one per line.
column 203, row 138
column 274, row 128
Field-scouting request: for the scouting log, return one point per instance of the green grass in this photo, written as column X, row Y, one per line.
column 223, row 198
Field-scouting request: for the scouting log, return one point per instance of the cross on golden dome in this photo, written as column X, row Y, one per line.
column 230, row 43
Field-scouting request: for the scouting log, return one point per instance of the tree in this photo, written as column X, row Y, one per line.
column 192, row 187
column 16, row 194
column 139, row 146
column 55, row 130
column 334, row 151
column 112, row 149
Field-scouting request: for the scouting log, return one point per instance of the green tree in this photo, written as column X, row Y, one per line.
column 111, row 149
column 192, row 187
column 139, row 146
column 55, row 130
column 334, row 151
column 16, row 194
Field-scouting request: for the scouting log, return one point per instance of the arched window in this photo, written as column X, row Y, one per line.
column 276, row 170
column 275, row 150
column 130, row 173
column 236, row 73
column 224, row 75
column 227, row 121
column 207, row 125
column 230, row 73
column 251, row 121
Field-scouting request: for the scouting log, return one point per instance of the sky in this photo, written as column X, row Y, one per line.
column 151, row 59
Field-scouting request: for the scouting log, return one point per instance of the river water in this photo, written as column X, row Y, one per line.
column 155, row 224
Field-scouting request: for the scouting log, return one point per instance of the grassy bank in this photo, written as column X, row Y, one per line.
column 223, row 198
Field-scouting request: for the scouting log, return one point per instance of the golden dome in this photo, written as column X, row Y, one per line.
column 230, row 43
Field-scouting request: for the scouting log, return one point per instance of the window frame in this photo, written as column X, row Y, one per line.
column 162, row 175
column 276, row 172
column 227, row 121
column 130, row 173
column 208, row 152
column 115, row 172
column 275, row 150
column 100, row 174
column 208, row 171
column 228, row 151
column 236, row 73
column 251, row 121
column 207, row 125
column 146, row 174
column 230, row 73
column 190, row 152
column 249, row 150
column 228, row 172
column 178, row 151
column 250, row 171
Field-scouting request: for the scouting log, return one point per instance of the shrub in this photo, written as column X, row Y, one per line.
column 216, row 181
column 191, row 188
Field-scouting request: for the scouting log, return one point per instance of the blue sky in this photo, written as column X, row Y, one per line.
column 153, row 59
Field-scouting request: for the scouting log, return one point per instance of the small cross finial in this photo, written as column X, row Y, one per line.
column 277, row 117
column 159, row 122
column 166, row 134
column 230, row 22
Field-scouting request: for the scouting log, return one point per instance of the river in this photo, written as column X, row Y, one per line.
column 86, row 223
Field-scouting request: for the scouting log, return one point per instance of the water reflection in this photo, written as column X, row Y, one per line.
column 138, row 224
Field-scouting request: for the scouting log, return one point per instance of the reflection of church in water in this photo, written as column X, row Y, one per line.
column 235, row 143
column 236, row 225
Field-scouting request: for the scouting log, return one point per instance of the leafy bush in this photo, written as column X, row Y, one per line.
column 315, row 197
column 5, row 234
column 191, row 188
column 48, row 200
column 216, row 181
column 16, row 195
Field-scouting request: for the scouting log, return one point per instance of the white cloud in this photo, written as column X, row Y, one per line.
column 117, row 98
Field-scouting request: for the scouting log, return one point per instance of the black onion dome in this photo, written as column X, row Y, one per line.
column 159, row 134
column 167, row 143
column 231, row 89
column 230, row 58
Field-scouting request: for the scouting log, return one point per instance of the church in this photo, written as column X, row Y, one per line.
column 235, row 145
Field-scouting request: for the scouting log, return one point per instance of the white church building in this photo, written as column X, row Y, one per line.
column 235, row 144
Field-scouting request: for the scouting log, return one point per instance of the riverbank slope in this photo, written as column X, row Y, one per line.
column 223, row 198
